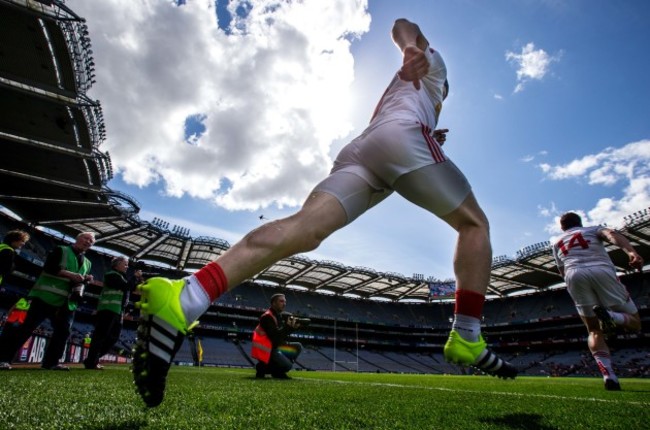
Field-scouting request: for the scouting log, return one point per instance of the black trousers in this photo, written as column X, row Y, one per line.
column 108, row 326
column 281, row 360
column 13, row 337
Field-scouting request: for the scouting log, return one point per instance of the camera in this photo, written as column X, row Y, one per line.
column 304, row 322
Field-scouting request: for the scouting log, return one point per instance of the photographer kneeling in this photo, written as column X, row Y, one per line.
column 276, row 356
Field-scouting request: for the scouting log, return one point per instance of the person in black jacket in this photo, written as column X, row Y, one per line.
column 276, row 356
column 110, row 310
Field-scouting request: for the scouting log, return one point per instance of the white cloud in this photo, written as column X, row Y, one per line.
column 531, row 64
column 628, row 165
column 547, row 211
column 528, row 158
column 498, row 96
column 272, row 92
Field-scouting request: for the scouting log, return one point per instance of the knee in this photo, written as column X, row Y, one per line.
column 311, row 239
column 477, row 221
column 304, row 238
column 473, row 223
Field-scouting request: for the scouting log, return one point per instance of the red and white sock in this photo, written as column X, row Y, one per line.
column 604, row 362
column 467, row 314
column 201, row 289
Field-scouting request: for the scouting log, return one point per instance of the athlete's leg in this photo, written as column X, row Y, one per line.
column 631, row 322
column 320, row 216
column 600, row 352
column 169, row 307
column 623, row 314
column 336, row 201
column 473, row 255
column 608, row 299
column 472, row 262
column 443, row 190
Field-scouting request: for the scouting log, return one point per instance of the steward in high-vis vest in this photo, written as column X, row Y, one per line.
column 65, row 268
column 275, row 354
column 18, row 312
column 110, row 310
column 13, row 241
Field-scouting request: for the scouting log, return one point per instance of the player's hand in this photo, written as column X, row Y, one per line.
column 414, row 65
column 440, row 135
column 77, row 278
column 636, row 262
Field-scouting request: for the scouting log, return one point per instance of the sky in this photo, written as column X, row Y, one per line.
column 223, row 115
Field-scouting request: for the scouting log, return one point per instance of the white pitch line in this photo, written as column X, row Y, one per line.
column 496, row 393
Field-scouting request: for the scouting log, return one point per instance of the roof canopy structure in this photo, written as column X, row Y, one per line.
column 53, row 174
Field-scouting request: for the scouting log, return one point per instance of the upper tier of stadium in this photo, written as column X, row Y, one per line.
column 54, row 175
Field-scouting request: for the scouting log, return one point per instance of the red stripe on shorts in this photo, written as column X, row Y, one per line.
column 434, row 146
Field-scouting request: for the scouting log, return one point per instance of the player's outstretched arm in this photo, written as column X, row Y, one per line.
column 410, row 40
column 616, row 238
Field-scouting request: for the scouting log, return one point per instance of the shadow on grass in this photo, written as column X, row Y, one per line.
column 519, row 422
column 134, row 424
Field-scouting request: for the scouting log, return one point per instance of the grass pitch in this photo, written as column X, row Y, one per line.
column 210, row 398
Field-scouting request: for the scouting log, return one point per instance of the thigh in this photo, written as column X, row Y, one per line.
column 395, row 148
column 581, row 291
column 355, row 194
column 439, row 188
column 278, row 362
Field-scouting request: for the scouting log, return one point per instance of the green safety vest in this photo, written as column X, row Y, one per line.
column 111, row 299
column 4, row 246
column 54, row 290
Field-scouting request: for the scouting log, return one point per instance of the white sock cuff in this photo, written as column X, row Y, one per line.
column 194, row 299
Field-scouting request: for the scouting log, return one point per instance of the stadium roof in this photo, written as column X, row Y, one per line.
column 52, row 174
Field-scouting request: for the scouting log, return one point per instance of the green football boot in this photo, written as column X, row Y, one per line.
column 459, row 351
column 161, row 331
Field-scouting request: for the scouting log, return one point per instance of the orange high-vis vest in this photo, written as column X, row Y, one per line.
column 262, row 345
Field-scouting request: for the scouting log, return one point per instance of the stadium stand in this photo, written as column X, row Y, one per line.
column 55, row 186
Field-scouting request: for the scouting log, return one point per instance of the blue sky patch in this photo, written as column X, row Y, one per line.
column 194, row 128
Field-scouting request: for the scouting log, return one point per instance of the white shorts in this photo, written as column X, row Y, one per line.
column 598, row 285
column 395, row 156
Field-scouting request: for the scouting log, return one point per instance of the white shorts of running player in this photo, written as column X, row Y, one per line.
column 598, row 285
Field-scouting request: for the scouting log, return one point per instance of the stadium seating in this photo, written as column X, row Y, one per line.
column 392, row 337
